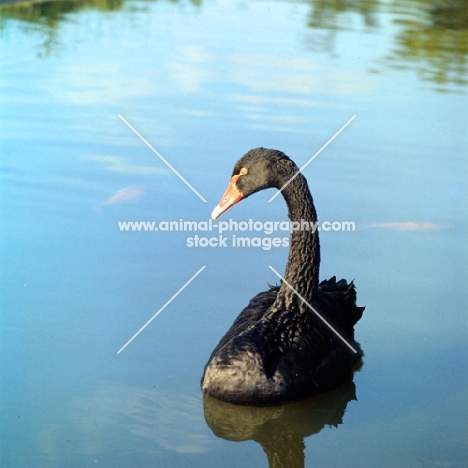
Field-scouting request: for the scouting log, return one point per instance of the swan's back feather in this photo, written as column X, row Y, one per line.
column 269, row 357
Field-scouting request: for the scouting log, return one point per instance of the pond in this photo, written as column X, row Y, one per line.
column 126, row 111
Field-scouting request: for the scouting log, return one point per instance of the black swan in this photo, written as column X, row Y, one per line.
column 278, row 350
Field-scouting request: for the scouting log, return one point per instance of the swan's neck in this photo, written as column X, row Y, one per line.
column 302, row 269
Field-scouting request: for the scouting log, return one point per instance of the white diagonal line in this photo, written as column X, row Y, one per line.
column 312, row 158
column 161, row 309
column 314, row 311
column 160, row 156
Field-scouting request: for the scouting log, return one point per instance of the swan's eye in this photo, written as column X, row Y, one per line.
column 244, row 171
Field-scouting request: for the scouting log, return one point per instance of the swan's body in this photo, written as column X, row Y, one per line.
column 278, row 350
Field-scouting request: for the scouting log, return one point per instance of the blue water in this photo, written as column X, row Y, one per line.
column 203, row 83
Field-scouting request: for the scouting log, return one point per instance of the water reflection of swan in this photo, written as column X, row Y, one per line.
column 280, row 430
column 277, row 350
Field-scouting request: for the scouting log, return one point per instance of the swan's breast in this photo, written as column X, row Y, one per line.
column 240, row 379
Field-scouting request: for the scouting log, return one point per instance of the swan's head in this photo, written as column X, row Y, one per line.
column 257, row 170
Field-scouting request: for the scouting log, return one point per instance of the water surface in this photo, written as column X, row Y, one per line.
column 203, row 82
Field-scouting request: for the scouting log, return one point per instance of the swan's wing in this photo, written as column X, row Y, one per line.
column 255, row 310
column 344, row 295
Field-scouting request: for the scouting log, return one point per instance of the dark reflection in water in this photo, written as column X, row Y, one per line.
column 280, row 430
column 325, row 14
column 50, row 13
column 433, row 40
column 430, row 37
column 47, row 16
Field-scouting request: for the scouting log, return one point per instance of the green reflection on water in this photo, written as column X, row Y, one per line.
column 433, row 40
column 52, row 12
column 48, row 16
column 430, row 38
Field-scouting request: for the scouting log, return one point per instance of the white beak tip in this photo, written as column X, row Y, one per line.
column 216, row 212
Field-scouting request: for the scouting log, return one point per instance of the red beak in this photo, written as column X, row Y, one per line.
column 231, row 196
